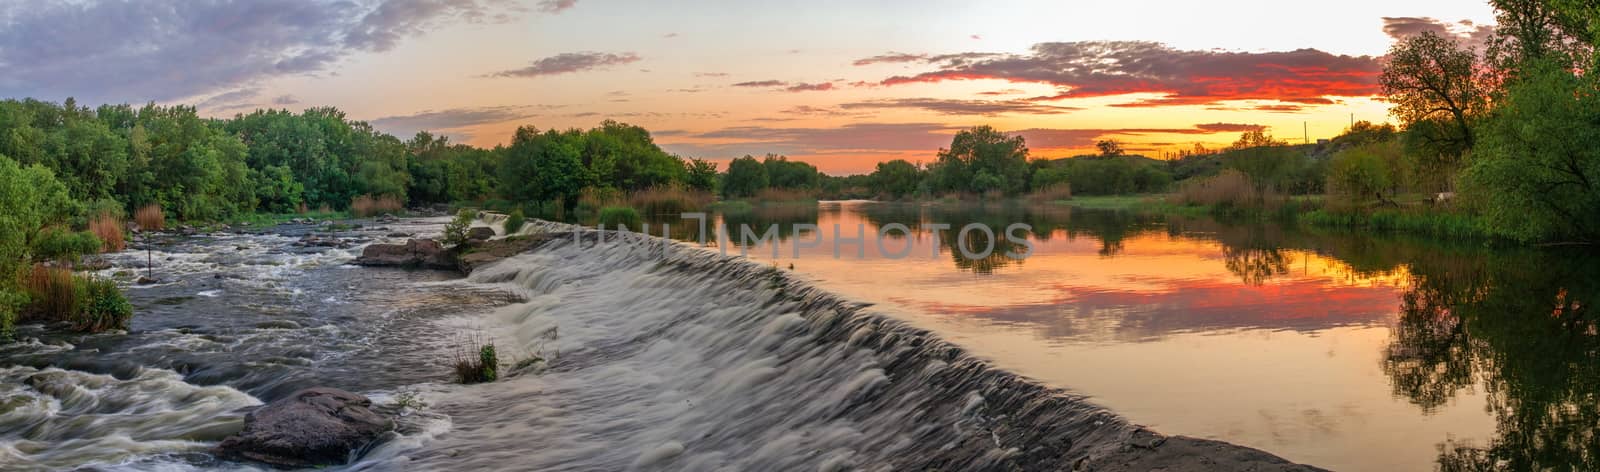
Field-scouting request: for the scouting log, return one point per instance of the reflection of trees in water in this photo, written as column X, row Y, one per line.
column 1255, row 265
column 1521, row 322
column 1045, row 221
column 782, row 216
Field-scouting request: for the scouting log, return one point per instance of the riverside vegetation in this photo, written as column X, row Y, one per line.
column 1497, row 144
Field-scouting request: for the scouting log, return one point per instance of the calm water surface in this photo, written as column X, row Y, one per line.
column 1352, row 352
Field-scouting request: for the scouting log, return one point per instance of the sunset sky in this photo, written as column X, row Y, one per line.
column 841, row 84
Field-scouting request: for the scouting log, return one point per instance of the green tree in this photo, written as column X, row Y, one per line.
column 1264, row 159
column 702, row 175
column 1436, row 88
column 1361, row 172
column 896, row 179
column 983, row 159
column 544, row 167
column 1537, row 172
column 745, row 177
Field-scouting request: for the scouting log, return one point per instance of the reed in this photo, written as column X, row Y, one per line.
column 514, row 221
column 592, row 199
column 1227, row 190
column 618, row 216
column 150, row 217
column 669, row 200
column 1053, row 193
column 785, row 195
column 367, row 205
column 108, row 228
column 52, row 294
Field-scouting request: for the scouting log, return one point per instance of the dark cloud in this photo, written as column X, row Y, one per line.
column 230, row 100
column 1081, row 138
column 570, row 62
column 556, row 6
column 1468, row 33
column 891, row 58
column 710, row 74
column 431, row 120
column 121, row 51
column 762, row 84
column 813, row 111
column 1003, row 92
column 1111, row 68
column 803, row 87
column 1230, row 127
column 963, row 107
column 757, row 140
column 285, row 100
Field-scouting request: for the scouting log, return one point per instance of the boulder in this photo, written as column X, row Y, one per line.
column 309, row 428
column 414, row 253
column 480, row 234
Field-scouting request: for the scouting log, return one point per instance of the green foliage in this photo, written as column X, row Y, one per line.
column 896, row 179
column 1099, row 175
column 982, row 160
column 619, row 216
column 57, row 244
column 702, row 175
column 1361, row 172
column 514, row 221
column 1537, row 172
column 1436, row 88
column 103, row 307
column 1435, row 224
column 477, row 362
column 783, row 173
column 11, row 303
column 745, row 177
column 455, row 232
column 545, row 167
column 30, row 199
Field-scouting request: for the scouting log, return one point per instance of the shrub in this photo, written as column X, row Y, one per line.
column 368, row 205
column 514, row 221
column 455, row 232
column 57, row 244
column 618, row 216
column 10, row 303
column 101, row 306
column 108, row 228
column 476, row 363
column 151, row 218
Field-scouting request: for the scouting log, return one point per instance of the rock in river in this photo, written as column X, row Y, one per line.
column 312, row 427
column 414, row 253
column 480, row 234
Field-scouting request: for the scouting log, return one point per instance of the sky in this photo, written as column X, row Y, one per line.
column 840, row 84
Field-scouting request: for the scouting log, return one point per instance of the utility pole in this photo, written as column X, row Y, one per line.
column 1307, row 126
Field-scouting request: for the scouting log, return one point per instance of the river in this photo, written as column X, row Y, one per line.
column 1344, row 351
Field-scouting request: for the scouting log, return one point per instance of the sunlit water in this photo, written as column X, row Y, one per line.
column 1350, row 352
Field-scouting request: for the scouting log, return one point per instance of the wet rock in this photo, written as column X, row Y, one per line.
column 496, row 250
column 312, row 427
column 399, row 235
column 388, row 218
column 480, row 234
column 414, row 253
column 146, row 280
column 278, row 324
column 94, row 263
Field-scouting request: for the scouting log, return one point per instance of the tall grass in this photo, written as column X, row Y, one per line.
column 1230, row 191
column 1053, row 193
column 669, row 200
column 617, row 216
column 52, row 294
column 108, row 228
column 476, row 362
column 368, row 205
column 101, row 306
column 150, row 217
column 592, row 199
column 785, row 195
column 1437, row 224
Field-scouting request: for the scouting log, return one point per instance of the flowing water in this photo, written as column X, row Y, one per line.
column 1343, row 351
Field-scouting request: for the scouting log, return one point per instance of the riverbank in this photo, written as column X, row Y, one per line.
column 1413, row 218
